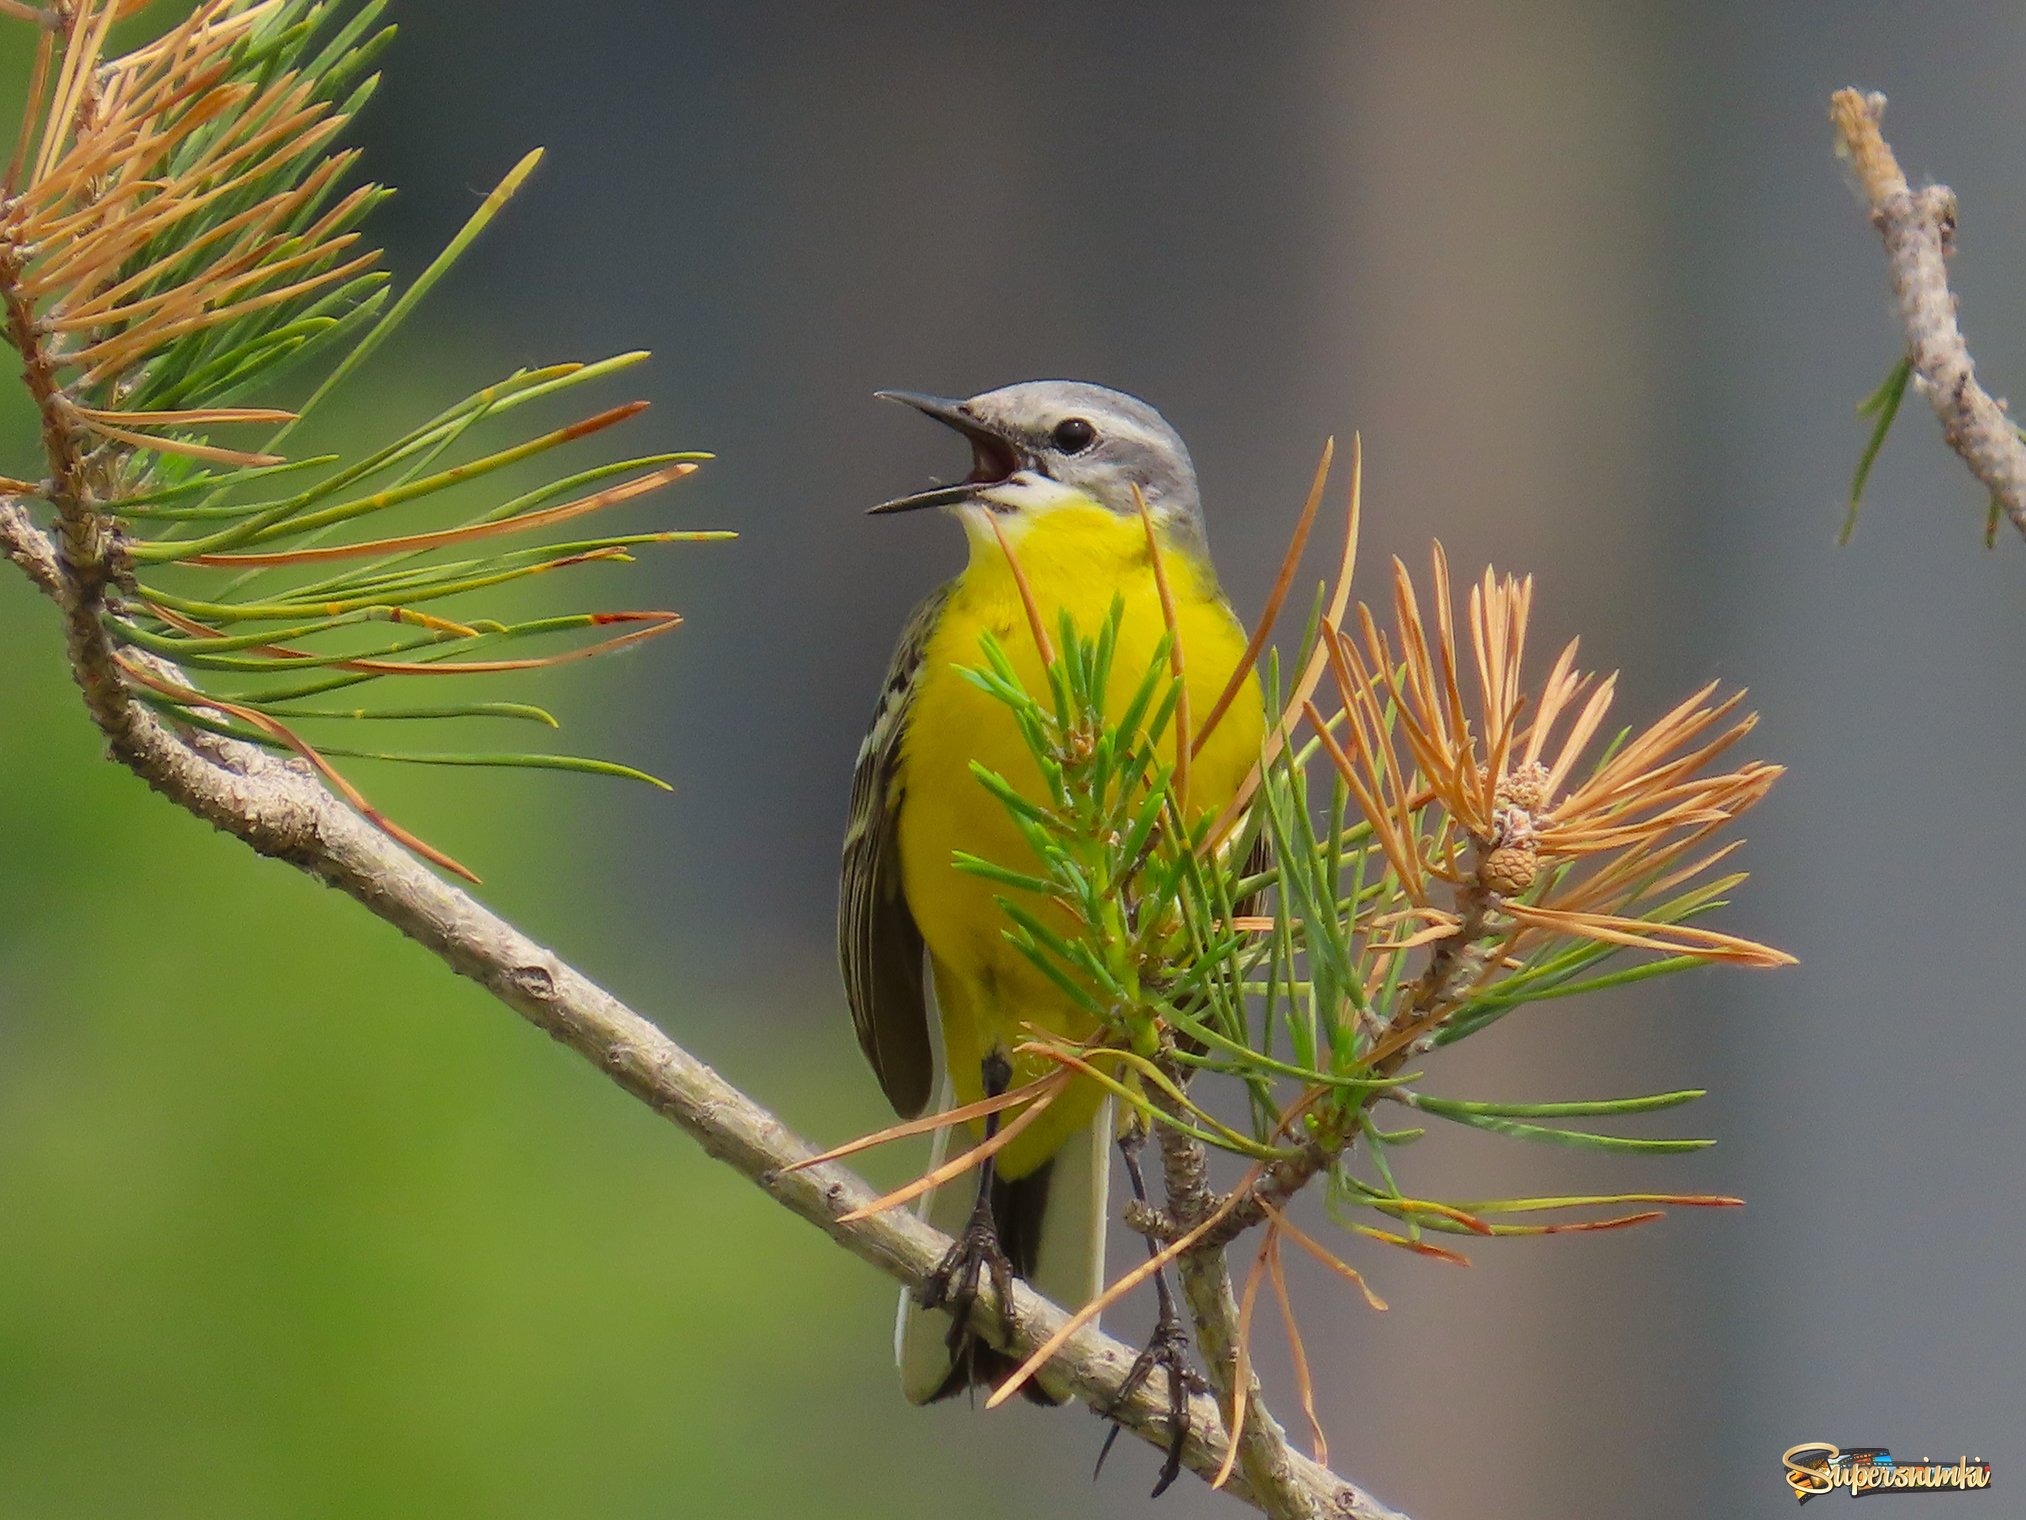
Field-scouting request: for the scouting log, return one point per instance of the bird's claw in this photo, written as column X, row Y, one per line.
column 1168, row 1349
column 954, row 1284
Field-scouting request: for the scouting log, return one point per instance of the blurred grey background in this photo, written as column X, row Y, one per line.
column 1591, row 285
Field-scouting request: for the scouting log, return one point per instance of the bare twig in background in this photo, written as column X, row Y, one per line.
column 280, row 809
column 1918, row 227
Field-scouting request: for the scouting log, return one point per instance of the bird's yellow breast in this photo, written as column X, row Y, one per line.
column 1076, row 559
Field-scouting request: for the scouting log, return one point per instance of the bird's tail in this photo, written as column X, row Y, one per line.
column 1052, row 1228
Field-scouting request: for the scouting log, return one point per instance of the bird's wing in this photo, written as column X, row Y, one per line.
column 878, row 944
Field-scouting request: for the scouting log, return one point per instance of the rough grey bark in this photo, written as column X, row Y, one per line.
column 1918, row 227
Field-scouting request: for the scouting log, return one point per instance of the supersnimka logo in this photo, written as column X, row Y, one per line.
column 1815, row 1468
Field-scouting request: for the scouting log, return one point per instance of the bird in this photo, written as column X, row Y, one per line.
column 1061, row 474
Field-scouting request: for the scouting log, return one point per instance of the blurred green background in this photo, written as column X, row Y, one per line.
column 294, row 1224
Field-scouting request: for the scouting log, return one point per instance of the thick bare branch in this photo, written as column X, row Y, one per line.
column 278, row 807
column 1918, row 227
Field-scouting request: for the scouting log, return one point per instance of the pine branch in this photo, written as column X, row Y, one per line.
column 278, row 808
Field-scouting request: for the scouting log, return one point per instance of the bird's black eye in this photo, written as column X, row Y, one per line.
column 1073, row 435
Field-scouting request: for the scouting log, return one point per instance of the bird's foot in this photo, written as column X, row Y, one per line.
column 1168, row 1349
column 976, row 1257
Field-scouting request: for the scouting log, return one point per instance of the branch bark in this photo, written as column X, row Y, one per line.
column 1270, row 1467
column 1918, row 227
column 278, row 808
column 29, row 547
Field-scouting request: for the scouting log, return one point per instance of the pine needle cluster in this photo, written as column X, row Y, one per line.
column 181, row 241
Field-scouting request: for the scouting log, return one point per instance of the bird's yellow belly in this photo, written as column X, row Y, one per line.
column 986, row 991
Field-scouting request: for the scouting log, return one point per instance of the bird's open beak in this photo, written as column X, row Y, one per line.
column 993, row 459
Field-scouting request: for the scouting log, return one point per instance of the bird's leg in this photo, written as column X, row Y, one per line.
column 977, row 1252
column 1167, row 1348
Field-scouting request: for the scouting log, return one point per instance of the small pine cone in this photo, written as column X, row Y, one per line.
column 1513, row 859
column 1510, row 869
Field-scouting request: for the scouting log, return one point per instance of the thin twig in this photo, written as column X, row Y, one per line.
column 1919, row 227
column 1272, row 1470
column 1453, row 967
column 87, row 548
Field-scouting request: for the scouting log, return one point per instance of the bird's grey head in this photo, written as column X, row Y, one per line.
column 1043, row 442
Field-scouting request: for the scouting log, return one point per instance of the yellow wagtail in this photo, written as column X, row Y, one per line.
column 1059, row 468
